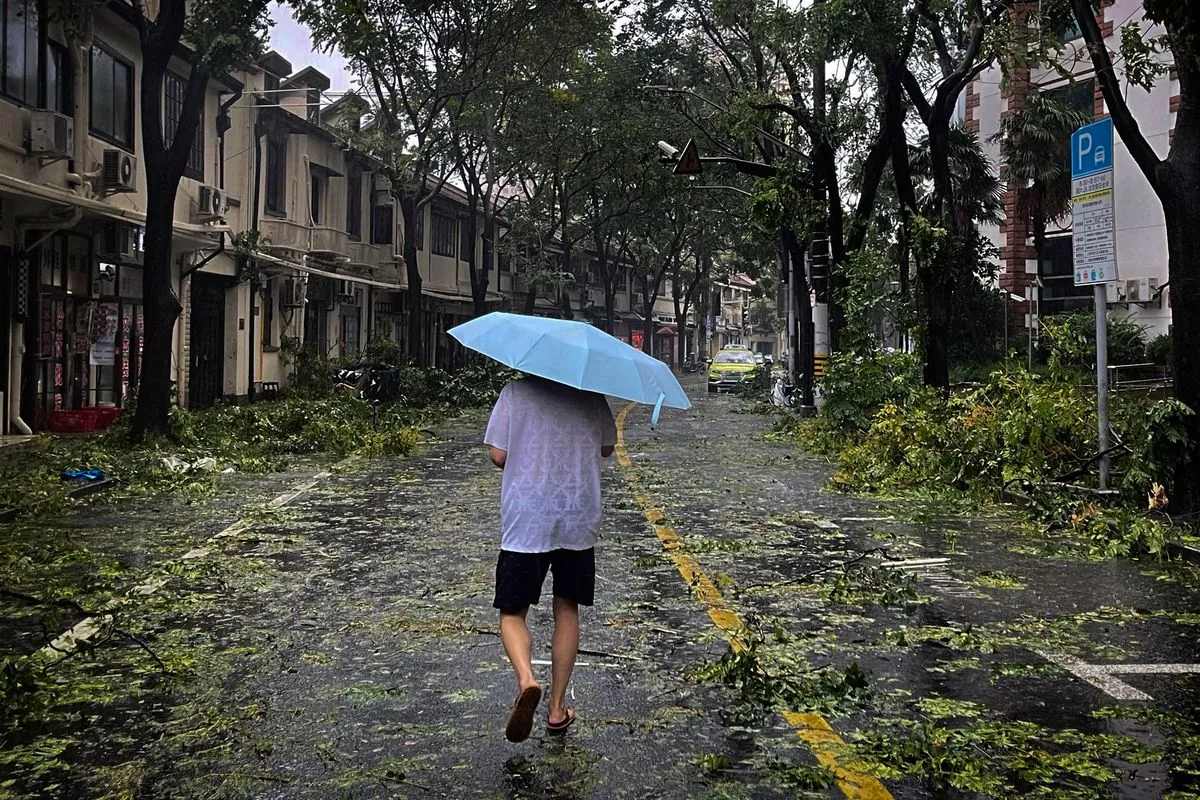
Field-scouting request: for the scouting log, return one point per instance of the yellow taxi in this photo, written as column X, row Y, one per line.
column 730, row 367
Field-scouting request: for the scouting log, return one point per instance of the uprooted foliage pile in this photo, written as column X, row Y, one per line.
column 1018, row 435
column 255, row 438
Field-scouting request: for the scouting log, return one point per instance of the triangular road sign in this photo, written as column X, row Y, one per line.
column 689, row 160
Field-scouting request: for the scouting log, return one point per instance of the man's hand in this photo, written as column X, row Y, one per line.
column 499, row 457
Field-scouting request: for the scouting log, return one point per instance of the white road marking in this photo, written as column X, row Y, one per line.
column 1102, row 675
column 868, row 519
column 541, row 662
column 915, row 562
column 85, row 629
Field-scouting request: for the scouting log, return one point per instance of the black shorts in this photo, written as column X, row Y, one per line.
column 519, row 577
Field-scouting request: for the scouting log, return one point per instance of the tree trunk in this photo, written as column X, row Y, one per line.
column 161, row 308
column 478, row 273
column 413, row 347
column 164, row 164
column 1181, row 207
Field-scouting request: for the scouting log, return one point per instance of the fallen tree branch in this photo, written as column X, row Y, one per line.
column 34, row 600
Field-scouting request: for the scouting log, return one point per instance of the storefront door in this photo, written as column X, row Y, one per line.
column 206, row 376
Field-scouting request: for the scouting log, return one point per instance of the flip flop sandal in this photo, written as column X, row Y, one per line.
column 559, row 728
column 520, row 719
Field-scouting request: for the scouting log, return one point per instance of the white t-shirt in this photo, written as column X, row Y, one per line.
column 550, row 492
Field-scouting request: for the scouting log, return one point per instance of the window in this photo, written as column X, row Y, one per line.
column 443, row 233
column 1080, row 94
column 1056, row 268
column 1069, row 30
column 316, row 183
column 60, row 83
column 467, row 244
column 354, row 206
column 276, row 175
column 21, row 50
column 382, row 223
column 271, row 88
column 174, row 92
column 503, row 261
column 112, row 98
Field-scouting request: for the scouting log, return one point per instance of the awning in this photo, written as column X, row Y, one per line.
column 461, row 297
column 340, row 276
column 201, row 234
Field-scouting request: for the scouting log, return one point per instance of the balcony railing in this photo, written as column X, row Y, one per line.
column 329, row 244
column 285, row 235
column 365, row 254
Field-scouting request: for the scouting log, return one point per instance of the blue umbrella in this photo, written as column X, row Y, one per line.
column 576, row 354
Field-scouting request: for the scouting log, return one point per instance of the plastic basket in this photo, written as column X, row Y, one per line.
column 80, row 421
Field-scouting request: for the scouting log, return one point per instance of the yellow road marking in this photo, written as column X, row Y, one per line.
column 812, row 729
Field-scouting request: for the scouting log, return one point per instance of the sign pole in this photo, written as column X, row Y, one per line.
column 792, row 336
column 1094, row 248
column 1102, row 379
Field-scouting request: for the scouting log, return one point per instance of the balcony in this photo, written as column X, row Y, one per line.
column 329, row 244
column 365, row 255
column 284, row 237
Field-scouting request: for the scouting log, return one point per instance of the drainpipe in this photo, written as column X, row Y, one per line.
column 81, row 179
column 257, row 131
column 223, row 126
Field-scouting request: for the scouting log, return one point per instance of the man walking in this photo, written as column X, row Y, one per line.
column 549, row 439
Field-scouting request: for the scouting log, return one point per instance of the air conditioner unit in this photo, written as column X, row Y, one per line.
column 213, row 204
column 292, row 294
column 119, row 171
column 118, row 242
column 1140, row 290
column 345, row 289
column 51, row 134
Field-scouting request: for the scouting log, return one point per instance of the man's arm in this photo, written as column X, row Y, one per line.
column 499, row 457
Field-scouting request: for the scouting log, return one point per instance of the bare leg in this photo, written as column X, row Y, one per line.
column 563, row 652
column 514, row 633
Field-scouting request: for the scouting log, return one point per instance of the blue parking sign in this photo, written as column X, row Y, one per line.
column 1092, row 149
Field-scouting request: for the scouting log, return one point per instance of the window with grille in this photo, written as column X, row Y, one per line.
column 174, row 93
column 60, row 85
column 112, row 98
column 467, row 245
column 276, row 175
column 354, row 205
column 20, row 62
column 382, row 223
column 444, row 231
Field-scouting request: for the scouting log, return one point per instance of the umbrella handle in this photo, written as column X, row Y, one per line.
column 657, row 410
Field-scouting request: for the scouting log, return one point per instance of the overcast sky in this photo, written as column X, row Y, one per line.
column 292, row 40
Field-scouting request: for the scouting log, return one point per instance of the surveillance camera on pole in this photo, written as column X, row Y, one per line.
column 668, row 150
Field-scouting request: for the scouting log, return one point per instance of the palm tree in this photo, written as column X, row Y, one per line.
column 1035, row 145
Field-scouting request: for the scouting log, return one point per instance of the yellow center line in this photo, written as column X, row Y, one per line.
column 812, row 729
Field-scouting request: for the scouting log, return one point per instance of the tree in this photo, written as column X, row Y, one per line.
column 420, row 63
column 656, row 249
column 1174, row 179
column 1035, row 144
column 220, row 34
column 956, row 36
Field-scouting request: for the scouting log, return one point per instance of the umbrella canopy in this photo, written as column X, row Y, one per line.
column 573, row 353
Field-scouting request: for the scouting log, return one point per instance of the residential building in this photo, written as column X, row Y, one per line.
column 1140, row 229
column 73, row 194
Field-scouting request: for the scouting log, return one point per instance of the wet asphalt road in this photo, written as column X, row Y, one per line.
column 343, row 645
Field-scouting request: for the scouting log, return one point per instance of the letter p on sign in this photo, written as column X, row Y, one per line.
column 1091, row 148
